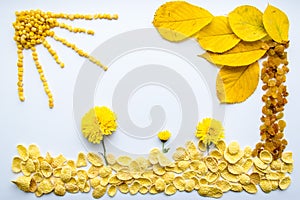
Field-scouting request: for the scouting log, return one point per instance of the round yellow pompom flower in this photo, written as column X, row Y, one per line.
column 164, row 135
column 209, row 131
column 97, row 122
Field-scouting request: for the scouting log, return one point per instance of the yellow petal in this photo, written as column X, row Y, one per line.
column 276, row 24
column 235, row 85
column 179, row 20
column 246, row 23
column 217, row 36
column 245, row 53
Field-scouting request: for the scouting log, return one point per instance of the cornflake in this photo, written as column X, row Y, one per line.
column 284, row 183
column 46, row 169
column 34, row 151
column 255, row 178
column 170, row 190
column 236, row 187
column 124, row 161
column 66, row 174
column 229, row 177
column 163, row 160
column 287, row 157
column 211, row 163
column 160, row 185
column 26, row 184
column 146, row 182
column 46, row 186
column 152, row 190
column 95, row 159
column 189, row 185
column 124, row 175
column 58, row 161
column 93, row 171
column 59, row 190
column 112, row 190
column 266, row 156
column 143, row 190
column 134, row 188
column 210, row 191
column 216, row 154
column 23, row 152
column 179, row 183
column 265, row 185
column 153, row 156
column 111, row 160
column 212, row 177
column 250, row 188
column 224, row 185
column 180, row 154
column 157, row 169
column 99, row 191
column 81, row 160
column 72, row 188
column 105, row 171
column 233, row 153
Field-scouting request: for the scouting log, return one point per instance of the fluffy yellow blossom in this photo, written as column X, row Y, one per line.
column 164, row 135
column 209, row 131
column 97, row 122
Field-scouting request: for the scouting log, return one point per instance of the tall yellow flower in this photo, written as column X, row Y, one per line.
column 209, row 131
column 97, row 122
column 164, row 136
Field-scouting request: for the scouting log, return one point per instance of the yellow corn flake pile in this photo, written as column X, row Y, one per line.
column 32, row 27
column 226, row 168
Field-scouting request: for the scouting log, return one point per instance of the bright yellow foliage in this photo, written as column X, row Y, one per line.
column 179, row 20
column 246, row 22
column 217, row 36
column 245, row 53
column 236, row 84
column 276, row 24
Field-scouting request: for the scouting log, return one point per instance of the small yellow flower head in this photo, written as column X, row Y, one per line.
column 209, row 131
column 164, row 136
column 97, row 122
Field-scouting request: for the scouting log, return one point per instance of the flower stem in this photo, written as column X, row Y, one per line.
column 164, row 150
column 104, row 151
column 207, row 148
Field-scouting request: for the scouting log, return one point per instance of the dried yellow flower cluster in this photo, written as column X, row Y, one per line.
column 225, row 168
column 32, row 27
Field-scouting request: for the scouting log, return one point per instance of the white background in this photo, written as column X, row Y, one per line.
column 54, row 130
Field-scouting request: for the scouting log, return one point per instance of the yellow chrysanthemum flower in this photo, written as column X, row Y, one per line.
column 209, row 131
column 97, row 122
column 164, row 135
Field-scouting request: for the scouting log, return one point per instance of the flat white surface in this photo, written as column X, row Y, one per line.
column 56, row 130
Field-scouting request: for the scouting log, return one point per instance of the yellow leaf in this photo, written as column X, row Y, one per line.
column 276, row 24
column 179, row 20
column 246, row 22
column 245, row 53
column 217, row 36
column 235, row 85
